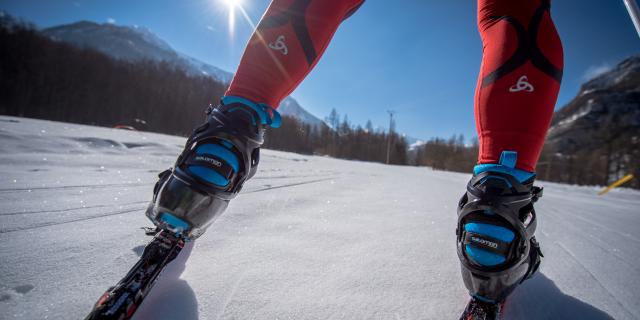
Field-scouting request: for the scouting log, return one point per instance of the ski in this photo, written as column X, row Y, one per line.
column 480, row 310
column 122, row 300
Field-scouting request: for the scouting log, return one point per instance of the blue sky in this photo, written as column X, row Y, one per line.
column 419, row 58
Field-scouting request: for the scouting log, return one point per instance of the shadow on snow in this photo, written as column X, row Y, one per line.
column 540, row 298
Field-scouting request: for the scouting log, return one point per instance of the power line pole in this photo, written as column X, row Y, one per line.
column 391, row 113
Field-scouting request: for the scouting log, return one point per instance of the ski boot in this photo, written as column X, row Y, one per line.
column 219, row 157
column 495, row 233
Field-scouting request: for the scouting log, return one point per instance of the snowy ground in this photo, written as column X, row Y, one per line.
column 309, row 238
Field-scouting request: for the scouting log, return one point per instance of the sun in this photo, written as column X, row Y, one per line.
column 232, row 4
column 231, row 8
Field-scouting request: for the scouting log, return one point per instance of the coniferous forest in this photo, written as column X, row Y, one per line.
column 45, row 79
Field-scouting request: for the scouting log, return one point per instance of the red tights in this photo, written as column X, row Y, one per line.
column 517, row 87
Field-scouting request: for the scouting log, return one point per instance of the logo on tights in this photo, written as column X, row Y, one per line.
column 279, row 45
column 522, row 85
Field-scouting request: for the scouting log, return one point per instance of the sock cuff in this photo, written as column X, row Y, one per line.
column 507, row 164
column 268, row 115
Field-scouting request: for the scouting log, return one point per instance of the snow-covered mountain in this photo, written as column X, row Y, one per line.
column 414, row 143
column 290, row 107
column 131, row 44
column 136, row 43
column 605, row 106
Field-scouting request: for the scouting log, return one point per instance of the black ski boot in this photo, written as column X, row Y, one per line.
column 495, row 233
column 218, row 158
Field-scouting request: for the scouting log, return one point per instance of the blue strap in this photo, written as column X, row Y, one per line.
column 221, row 152
column 498, row 232
column 268, row 115
column 207, row 172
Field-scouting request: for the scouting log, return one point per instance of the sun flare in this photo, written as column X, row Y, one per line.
column 231, row 8
column 232, row 4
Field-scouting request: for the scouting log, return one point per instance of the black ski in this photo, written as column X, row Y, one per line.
column 480, row 310
column 122, row 300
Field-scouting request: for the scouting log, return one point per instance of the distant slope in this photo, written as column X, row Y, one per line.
column 139, row 43
column 291, row 107
column 131, row 44
column 606, row 106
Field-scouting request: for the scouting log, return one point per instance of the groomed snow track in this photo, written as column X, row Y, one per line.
column 309, row 238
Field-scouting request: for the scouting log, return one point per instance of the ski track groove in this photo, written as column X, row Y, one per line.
column 624, row 235
column 68, row 209
column 49, row 224
column 102, row 186
column 593, row 240
column 590, row 198
column 229, row 297
column 285, row 177
column 89, row 186
column 290, row 185
column 622, row 306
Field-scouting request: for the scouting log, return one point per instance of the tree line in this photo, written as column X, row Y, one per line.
column 602, row 166
column 452, row 154
column 618, row 156
column 340, row 139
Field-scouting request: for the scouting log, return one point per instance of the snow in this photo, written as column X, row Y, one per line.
column 309, row 237
column 581, row 113
column 290, row 107
column 417, row 143
column 132, row 43
column 616, row 75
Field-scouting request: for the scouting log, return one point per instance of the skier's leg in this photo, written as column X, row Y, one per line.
column 223, row 153
column 519, row 79
column 515, row 96
column 287, row 44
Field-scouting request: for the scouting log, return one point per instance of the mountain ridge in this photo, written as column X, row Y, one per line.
column 137, row 43
column 604, row 105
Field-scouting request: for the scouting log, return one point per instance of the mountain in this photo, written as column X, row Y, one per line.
column 290, row 107
column 137, row 43
column 605, row 108
column 414, row 143
column 131, row 44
